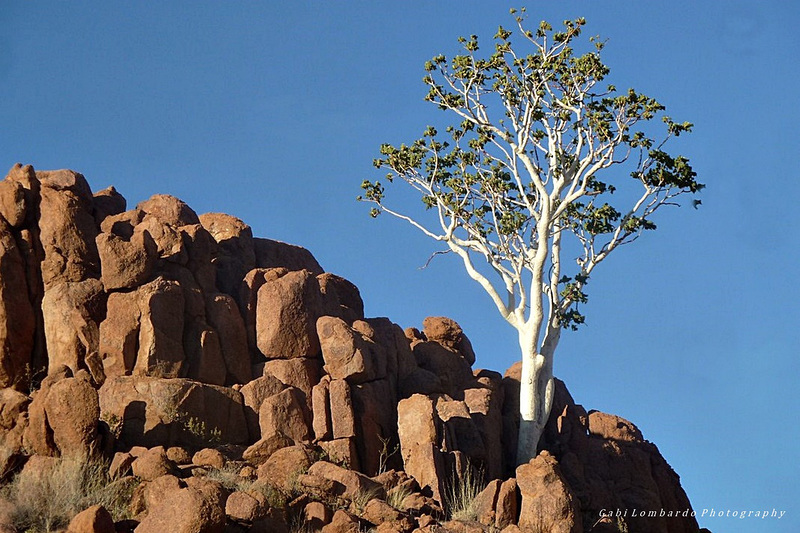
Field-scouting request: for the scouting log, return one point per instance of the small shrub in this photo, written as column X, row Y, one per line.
column 386, row 454
column 201, row 431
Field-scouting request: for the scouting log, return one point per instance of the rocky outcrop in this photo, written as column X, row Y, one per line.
column 181, row 348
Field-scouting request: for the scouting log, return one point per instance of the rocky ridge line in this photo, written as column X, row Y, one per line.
column 175, row 344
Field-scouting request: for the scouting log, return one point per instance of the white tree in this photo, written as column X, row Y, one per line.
column 527, row 177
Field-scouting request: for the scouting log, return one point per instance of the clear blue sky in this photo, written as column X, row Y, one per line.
column 273, row 111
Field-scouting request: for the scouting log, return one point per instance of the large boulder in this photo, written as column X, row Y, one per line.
column 301, row 372
column 286, row 413
column 63, row 416
column 275, row 254
column 419, row 443
column 348, row 353
column 73, row 410
column 173, row 412
column 72, row 313
column 375, row 416
column 452, row 369
column 185, row 510
column 286, row 315
column 169, row 210
column 161, row 324
column 235, row 254
column 248, row 302
column 449, row 334
column 143, row 331
column 340, row 297
column 547, row 501
column 223, row 315
column 254, row 393
column 17, row 317
column 67, row 228
column 95, row 519
column 106, row 203
column 126, row 263
column 598, row 453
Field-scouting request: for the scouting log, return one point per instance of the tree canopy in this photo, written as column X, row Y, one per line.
column 544, row 158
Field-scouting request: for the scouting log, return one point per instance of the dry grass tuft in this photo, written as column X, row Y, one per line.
column 460, row 493
column 46, row 499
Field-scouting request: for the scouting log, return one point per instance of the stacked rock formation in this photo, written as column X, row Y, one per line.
column 175, row 344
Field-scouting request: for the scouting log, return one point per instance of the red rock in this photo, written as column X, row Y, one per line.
column 119, row 334
column 126, row 263
column 301, row 373
column 286, row 315
column 420, row 381
column 285, row 412
column 209, row 457
column 348, row 354
column 548, row 502
column 13, row 417
column 507, row 504
column 204, row 353
column 485, row 408
column 38, row 436
column 449, row 334
column 160, row 353
column 155, row 489
column 317, row 515
column 321, row 410
column 341, row 405
column 263, row 449
column 416, row 428
column 375, row 415
column 254, row 394
column 248, row 299
column 72, row 410
column 17, row 319
column 485, row 503
column 613, row 427
column 448, row 365
column 158, row 411
column 67, row 228
column 106, row 203
column 400, row 360
column 170, row 244
column 379, row 512
column 460, row 431
column 169, row 210
column 354, row 484
column 342, row 522
column 95, row 519
column 179, row 455
column 243, row 507
column 223, row 316
column 72, row 312
column 340, row 297
column 13, row 205
column 284, row 466
column 153, row 464
column 272, row 254
column 236, row 253
column 343, row 452
column 120, row 465
column 184, row 511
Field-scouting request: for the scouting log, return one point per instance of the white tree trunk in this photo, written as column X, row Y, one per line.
column 535, row 398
